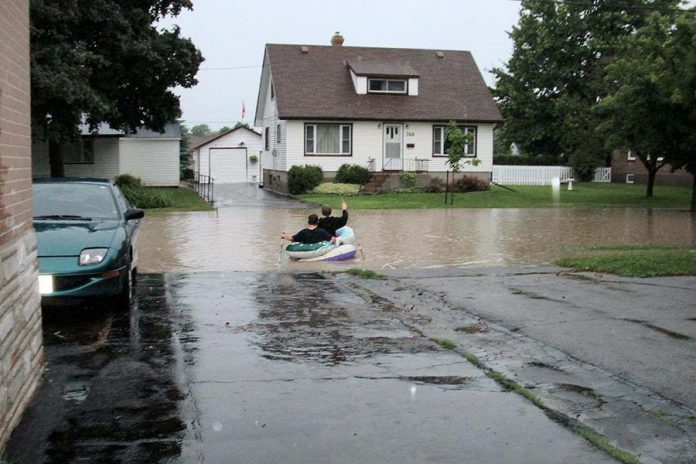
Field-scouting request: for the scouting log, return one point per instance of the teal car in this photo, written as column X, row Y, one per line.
column 86, row 238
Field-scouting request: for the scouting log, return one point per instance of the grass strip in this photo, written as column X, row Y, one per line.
column 598, row 440
column 181, row 200
column 634, row 262
column 446, row 344
column 366, row 274
column 601, row 442
column 583, row 195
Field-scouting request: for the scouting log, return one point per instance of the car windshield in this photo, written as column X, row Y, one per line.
column 74, row 201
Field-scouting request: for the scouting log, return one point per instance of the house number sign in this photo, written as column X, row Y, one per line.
column 410, row 134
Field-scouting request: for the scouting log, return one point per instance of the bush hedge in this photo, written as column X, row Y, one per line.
column 302, row 179
column 126, row 180
column 436, row 185
column 470, row 184
column 352, row 174
column 145, row 198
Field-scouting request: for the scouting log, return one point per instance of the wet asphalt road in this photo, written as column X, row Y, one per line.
column 261, row 368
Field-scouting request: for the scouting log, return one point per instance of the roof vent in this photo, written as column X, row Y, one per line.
column 440, row 55
column 304, row 49
column 337, row 39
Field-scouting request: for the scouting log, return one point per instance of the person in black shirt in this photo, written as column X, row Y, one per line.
column 330, row 223
column 312, row 234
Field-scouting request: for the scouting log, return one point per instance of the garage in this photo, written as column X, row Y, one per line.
column 225, row 157
column 225, row 165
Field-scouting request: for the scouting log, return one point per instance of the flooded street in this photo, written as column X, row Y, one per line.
column 246, row 238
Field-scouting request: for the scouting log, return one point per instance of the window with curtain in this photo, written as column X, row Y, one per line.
column 328, row 139
column 441, row 144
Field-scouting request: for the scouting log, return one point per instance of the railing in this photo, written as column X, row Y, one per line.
column 602, row 175
column 416, row 165
column 393, row 164
column 204, row 186
column 530, row 175
column 371, row 165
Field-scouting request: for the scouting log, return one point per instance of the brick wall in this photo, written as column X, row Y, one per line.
column 621, row 166
column 21, row 353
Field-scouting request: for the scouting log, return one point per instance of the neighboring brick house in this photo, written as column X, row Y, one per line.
column 386, row 109
column 21, row 352
column 626, row 168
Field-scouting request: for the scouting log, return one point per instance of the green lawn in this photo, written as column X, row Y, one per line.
column 582, row 195
column 183, row 199
column 634, row 260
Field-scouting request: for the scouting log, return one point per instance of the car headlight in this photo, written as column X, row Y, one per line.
column 92, row 256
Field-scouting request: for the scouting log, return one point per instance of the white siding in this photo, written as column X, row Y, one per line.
column 155, row 161
column 236, row 139
column 359, row 83
column 367, row 143
column 105, row 160
column 421, row 135
column 275, row 157
column 413, row 86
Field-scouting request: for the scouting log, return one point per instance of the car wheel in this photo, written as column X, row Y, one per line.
column 125, row 298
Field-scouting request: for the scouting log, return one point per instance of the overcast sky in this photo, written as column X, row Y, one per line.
column 233, row 34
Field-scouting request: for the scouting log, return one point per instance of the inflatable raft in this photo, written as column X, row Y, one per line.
column 325, row 251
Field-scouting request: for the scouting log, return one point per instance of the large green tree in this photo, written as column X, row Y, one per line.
column 651, row 107
column 200, row 130
column 548, row 88
column 105, row 61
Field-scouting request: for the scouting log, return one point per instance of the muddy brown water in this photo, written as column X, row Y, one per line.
column 247, row 238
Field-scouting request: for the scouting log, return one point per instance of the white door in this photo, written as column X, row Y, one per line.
column 228, row 165
column 393, row 147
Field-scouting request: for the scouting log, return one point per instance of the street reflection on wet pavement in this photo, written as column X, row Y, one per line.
column 248, row 367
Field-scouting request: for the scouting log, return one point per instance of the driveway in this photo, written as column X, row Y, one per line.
column 259, row 368
column 246, row 195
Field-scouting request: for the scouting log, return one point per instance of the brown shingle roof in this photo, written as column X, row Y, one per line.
column 317, row 85
column 381, row 68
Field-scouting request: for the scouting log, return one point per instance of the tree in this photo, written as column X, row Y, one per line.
column 200, row 130
column 241, row 124
column 457, row 141
column 184, row 146
column 651, row 108
column 549, row 87
column 105, row 61
column 223, row 129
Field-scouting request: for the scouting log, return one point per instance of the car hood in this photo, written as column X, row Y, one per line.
column 69, row 238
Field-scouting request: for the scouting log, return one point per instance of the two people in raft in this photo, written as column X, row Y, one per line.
column 320, row 230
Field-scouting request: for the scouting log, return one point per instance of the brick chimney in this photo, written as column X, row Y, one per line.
column 337, row 40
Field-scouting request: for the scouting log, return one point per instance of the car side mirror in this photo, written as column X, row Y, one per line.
column 134, row 213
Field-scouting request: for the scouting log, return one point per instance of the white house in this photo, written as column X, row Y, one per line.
column 382, row 108
column 152, row 156
column 233, row 156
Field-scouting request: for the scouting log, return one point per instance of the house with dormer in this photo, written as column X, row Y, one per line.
column 386, row 109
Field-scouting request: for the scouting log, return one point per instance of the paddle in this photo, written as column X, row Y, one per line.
column 280, row 253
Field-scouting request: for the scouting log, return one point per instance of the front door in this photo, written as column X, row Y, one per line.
column 393, row 147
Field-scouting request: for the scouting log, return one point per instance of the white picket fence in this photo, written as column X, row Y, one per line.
column 541, row 175
column 602, row 175
column 530, row 175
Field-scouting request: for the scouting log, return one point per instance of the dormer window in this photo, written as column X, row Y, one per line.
column 387, row 85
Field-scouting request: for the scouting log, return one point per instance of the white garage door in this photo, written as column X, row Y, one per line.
column 228, row 165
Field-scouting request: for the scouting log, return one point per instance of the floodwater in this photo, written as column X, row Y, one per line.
column 247, row 237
